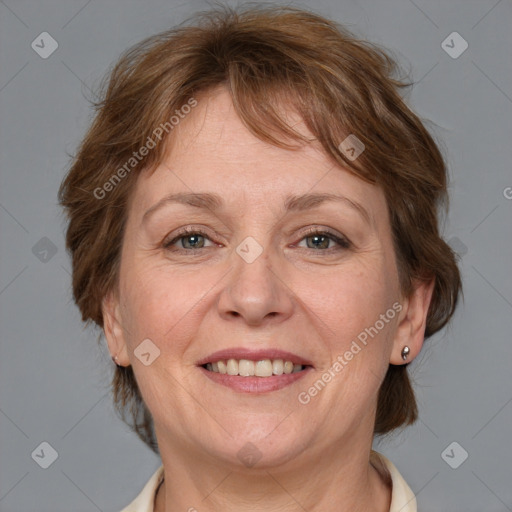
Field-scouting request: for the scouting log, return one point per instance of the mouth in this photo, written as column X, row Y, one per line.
column 254, row 371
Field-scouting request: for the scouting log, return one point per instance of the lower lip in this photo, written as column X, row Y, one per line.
column 255, row 384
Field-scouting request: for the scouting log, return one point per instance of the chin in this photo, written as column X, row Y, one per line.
column 267, row 444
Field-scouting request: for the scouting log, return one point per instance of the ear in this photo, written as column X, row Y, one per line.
column 114, row 332
column 413, row 319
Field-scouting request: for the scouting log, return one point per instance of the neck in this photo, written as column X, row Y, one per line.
column 341, row 484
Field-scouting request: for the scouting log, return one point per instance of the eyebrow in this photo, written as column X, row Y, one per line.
column 293, row 203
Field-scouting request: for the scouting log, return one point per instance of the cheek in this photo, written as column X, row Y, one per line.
column 358, row 321
column 347, row 301
column 358, row 340
column 161, row 303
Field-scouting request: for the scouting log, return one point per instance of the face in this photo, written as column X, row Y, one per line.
column 266, row 272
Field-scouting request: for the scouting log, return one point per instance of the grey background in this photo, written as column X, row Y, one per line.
column 54, row 381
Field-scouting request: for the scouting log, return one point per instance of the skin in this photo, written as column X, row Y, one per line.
column 295, row 297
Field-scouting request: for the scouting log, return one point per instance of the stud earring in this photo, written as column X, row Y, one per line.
column 114, row 359
column 405, row 352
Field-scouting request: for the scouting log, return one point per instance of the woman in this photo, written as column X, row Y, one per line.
column 253, row 224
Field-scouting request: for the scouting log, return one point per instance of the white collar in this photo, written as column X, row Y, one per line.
column 402, row 498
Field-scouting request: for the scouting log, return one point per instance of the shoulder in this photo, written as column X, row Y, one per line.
column 402, row 497
column 144, row 502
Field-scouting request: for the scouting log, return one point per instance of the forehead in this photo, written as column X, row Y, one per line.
column 214, row 129
column 212, row 150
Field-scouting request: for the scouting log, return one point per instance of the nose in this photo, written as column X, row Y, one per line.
column 255, row 293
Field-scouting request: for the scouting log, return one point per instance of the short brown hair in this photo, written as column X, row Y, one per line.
column 266, row 57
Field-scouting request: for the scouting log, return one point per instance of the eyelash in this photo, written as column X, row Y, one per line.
column 342, row 242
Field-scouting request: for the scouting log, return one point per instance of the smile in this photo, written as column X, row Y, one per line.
column 248, row 368
column 254, row 371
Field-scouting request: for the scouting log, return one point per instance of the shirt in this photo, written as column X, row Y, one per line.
column 402, row 498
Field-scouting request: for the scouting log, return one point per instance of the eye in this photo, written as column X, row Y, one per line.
column 191, row 239
column 320, row 240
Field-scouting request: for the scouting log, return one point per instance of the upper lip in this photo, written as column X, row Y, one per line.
column 253, row 355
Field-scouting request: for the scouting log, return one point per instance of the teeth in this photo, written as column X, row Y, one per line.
column 263, row 368
column 247, row 368
column 222, row 367
column 277, row 366
column 232, row 367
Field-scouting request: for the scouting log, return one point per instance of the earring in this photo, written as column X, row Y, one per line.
column 114, row 359
column 405, row 352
